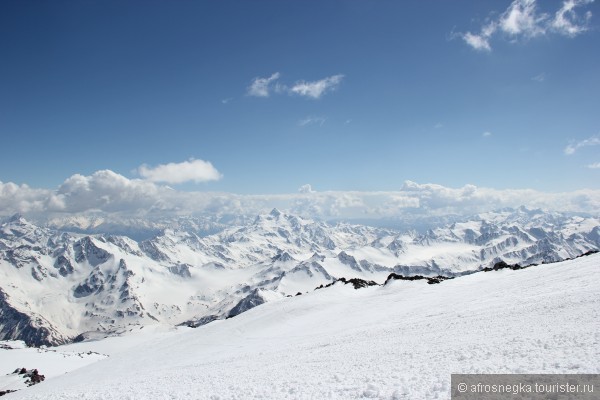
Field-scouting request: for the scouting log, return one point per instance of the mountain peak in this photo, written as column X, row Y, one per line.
column 316, row 257
column 283, row 257
column 275, row 213
column 17, row 218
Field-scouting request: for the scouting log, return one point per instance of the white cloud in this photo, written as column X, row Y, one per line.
column 261, row 87
column 21, row 198
column 312, row 121
column 192, row 170
column 594, row 166
column 521, row 20
column 486, row 134
column 105, row 191
column 317, row 88
column 481, row 41
column 567, row 22
column 111, row 193
column 478, row 42
column 306, row 189
column 469, row 199
column 573, row 147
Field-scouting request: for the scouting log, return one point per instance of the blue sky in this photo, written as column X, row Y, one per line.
column 364, row 95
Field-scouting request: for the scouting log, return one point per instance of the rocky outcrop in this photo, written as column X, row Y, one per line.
column 182, row 270
column 194, row 323
column 357, row 283
column 430, row 280
column 86, row 249
column 348, row 260
column 34, row 330
column 252, row 300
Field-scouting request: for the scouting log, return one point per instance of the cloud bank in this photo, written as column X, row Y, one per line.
column 108, row 192
column 522, row 21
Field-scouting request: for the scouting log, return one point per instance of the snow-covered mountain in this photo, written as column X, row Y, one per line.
column 402, row 340
column 57, row 286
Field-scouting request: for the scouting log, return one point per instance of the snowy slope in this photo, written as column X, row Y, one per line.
column 55, row 286
column 398, row 341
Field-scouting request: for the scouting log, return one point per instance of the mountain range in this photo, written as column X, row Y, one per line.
column 59, row 286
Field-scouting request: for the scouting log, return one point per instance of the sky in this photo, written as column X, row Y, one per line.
column 267, row 98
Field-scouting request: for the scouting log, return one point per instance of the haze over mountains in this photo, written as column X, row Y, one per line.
column 56, row 286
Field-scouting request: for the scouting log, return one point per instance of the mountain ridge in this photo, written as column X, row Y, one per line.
column 88, row 283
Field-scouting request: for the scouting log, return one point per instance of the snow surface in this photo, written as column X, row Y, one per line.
column 399, row 341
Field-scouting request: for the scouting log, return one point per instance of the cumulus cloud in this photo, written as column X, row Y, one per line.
column 486, row 134
column 262, row 87
column 103, row 191
column 306, row 189
column 108, row 192
column 594, row 166
column 318, row 88
column 22, row 199
column 192, row 170
column 573, row 147
column 522, row 20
